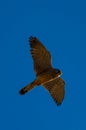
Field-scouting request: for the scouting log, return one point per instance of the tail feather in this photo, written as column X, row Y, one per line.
column 27, row 88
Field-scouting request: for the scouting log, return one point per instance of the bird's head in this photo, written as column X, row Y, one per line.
column 58, row 72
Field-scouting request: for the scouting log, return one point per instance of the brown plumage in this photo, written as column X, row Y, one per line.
column 46, row 75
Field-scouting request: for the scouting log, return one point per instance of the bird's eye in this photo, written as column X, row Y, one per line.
column 57, row 71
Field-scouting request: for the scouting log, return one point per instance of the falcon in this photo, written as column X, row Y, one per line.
column 46, row 75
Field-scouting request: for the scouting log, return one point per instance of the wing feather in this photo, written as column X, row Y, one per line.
column 41, row 56
column 56, row 89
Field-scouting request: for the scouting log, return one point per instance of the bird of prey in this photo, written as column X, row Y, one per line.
column 46, row 75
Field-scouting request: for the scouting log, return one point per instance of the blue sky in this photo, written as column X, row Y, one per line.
column 61, row 26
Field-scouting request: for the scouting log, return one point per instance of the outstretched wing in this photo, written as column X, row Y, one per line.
column 56, row 89
column 41, row 57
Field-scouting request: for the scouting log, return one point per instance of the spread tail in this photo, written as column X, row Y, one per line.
column 27, row 88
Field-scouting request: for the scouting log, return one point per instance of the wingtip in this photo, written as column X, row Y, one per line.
column 59, row 104
column 31, row 38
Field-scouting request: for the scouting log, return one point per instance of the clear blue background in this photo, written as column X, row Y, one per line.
column 61, row 26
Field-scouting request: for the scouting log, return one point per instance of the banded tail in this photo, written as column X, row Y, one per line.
column 27, row 88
